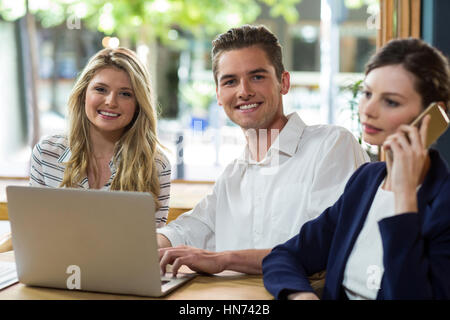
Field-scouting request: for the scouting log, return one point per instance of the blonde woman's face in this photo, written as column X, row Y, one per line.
column 110, row 101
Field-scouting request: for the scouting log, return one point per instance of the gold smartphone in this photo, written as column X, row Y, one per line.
column 439, row 122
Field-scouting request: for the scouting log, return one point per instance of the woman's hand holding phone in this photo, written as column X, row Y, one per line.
column 408, row 163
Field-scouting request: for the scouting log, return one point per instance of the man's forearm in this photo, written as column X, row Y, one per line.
column 246, row 261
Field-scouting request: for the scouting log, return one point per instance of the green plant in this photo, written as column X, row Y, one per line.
column 151, row 19
column 355, row 89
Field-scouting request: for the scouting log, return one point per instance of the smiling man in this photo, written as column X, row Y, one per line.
column 287, row 175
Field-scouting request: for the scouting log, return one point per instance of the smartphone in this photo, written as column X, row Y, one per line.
column 439, row 122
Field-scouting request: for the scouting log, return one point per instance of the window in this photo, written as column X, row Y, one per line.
column 185, row 86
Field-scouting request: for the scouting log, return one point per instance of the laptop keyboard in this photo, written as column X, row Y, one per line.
column 8, row 274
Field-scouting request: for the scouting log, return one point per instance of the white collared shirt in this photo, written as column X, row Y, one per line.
column 256, row 205
column 48, row 165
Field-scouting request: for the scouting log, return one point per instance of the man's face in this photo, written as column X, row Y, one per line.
column 248, row 89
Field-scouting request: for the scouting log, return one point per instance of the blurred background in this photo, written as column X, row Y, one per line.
column 46, row 43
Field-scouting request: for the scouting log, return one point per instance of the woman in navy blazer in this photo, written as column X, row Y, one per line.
column 396, row 213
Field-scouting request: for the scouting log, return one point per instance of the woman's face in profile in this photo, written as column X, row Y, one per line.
column 389, row 99
column 110, row 101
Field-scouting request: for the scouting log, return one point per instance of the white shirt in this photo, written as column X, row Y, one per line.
column 364, row 269
column 261, row 204
column 48, row 165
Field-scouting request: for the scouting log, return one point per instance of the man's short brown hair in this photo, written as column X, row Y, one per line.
column 244, row 37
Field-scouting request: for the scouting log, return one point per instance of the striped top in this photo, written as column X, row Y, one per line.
column 48, row 164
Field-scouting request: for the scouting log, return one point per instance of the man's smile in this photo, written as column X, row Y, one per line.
column 248, row 107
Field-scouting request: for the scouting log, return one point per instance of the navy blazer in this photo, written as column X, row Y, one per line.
column 416, row 246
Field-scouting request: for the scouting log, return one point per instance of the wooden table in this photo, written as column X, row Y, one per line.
column 227, row 285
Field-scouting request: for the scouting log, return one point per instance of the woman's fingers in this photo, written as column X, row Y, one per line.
column 410, row 138
column 424, row 129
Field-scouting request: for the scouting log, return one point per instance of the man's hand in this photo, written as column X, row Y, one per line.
column 246, row 261
column 198, row 260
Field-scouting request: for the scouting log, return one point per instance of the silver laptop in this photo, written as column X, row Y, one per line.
column 74, row 239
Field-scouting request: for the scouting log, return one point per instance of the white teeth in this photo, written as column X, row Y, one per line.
column 109, row 114
column 248, row 106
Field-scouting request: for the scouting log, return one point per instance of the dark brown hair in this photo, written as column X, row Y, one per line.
column 429, row 66
column 247, row 36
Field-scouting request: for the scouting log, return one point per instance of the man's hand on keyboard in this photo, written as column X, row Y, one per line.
column 198, row 260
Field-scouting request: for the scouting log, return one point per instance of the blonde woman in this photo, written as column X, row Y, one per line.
column 112, row 142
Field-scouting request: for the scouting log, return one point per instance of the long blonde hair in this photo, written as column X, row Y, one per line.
column 135, row 152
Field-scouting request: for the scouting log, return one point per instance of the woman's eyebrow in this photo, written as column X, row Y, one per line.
column 393, row 94
column 104, row 84
column 385, row 93
column 101, row 83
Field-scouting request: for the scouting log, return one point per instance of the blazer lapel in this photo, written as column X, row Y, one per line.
column 365, row 202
